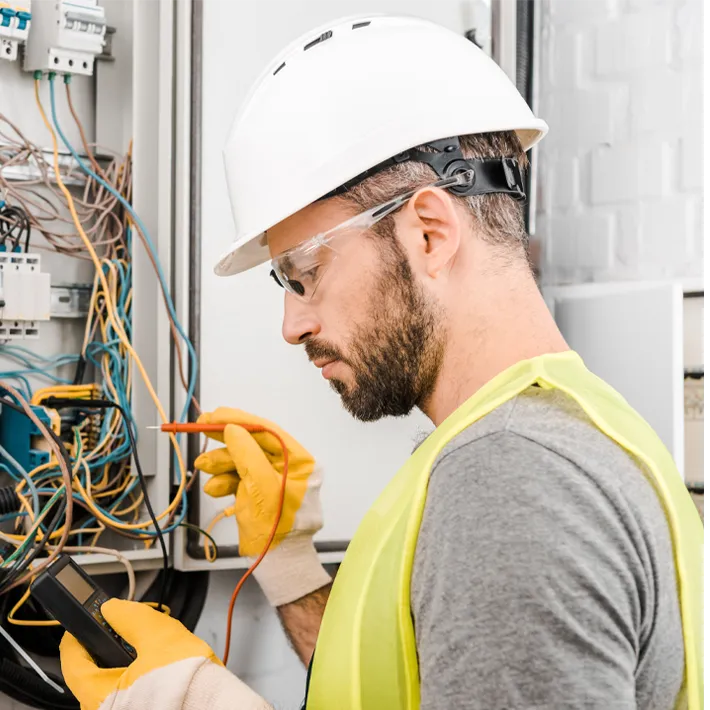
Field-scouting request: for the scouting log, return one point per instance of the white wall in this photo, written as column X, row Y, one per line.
column 621, row 169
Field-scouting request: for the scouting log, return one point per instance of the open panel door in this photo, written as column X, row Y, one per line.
column 631, row 335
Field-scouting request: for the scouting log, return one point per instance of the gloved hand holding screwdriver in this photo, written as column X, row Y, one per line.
column 248, row 466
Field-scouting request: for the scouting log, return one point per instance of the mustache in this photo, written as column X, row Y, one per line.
column 317, row 350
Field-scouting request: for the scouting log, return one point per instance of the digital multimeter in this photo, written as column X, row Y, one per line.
column 75, row 600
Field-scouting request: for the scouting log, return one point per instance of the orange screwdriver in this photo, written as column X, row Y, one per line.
column 198, row 428
column 188, row 427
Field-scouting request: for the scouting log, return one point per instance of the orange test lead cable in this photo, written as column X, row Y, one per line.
column 195, row 428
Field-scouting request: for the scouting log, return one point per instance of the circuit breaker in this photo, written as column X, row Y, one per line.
column 15, row 20
column 65, row 37
column 25, row 296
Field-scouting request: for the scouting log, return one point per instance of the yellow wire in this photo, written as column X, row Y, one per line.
column 65, row 392
column 118, row 327
column 27, row 622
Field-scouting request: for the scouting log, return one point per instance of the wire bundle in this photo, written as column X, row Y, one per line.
column 93, row 483
column 43, row 205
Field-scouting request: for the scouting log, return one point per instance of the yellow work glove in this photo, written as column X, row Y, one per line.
column 173, row 670
column 250, row 466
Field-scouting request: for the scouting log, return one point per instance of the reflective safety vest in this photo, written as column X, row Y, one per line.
column 365, row 656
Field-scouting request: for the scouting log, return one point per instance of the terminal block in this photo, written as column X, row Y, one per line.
column 66, row 37
column 25, row 296
column 21, row 438
column 15, row 22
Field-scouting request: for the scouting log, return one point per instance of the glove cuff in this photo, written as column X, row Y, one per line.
column 213, row 686
column 291, row 571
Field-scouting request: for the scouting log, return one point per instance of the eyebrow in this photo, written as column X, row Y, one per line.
column 286, row 263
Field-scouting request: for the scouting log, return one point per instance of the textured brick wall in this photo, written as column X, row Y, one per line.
column 621, row 169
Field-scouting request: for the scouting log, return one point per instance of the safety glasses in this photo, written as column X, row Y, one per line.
column 300, row 269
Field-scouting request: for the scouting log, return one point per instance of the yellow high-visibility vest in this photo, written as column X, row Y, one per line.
column 365, row 656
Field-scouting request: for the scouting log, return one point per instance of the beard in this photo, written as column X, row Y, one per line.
column 396, row 355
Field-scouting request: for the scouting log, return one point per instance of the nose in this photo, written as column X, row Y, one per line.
column 300, row 322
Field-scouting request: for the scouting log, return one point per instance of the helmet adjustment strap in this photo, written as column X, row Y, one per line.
column 491, row 175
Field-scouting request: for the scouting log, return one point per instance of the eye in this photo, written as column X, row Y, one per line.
column 311, row 274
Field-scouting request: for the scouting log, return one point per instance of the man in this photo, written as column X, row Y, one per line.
column 539, row 548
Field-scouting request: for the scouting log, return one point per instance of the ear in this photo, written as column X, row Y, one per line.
column 431, row 229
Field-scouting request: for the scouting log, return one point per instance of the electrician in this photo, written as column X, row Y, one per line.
column 539, row 549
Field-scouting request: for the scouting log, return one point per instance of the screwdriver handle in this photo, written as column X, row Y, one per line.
column 190, row 428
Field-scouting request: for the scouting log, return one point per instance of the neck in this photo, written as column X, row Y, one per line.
column 485, row 338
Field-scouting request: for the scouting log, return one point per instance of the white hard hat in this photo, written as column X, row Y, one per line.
column 345, row 97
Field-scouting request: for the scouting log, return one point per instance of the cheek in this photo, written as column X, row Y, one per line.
column 347, row 299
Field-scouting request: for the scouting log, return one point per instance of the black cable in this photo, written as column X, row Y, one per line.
column 22, row 223
column 9, row 500
column 60, row 403
column 198, row 529
column 18, row 569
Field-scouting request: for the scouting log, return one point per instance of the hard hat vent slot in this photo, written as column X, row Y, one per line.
column 318, row 40
column 358, row 25
column 279, row 68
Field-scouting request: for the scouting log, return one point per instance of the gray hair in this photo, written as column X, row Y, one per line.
column 498, row 217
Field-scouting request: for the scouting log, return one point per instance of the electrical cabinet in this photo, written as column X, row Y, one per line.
column 632, row 335
column 45, row 294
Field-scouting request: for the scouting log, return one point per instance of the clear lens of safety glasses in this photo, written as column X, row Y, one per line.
column 300, row 269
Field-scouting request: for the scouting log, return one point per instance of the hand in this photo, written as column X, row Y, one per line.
column 173, row 669
column 250, row 466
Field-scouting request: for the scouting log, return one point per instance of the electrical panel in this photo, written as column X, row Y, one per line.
column 25, row 295
column 66, row 37
column 15, row 22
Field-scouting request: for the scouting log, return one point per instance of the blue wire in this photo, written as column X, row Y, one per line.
column 192, row 355
column 12, row 516
column 19, row 374
column 149, row 243
column 25, row 383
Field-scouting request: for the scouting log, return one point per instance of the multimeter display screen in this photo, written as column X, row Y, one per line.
column 75, row 584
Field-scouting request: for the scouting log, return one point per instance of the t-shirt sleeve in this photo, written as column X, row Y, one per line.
column 527, row 588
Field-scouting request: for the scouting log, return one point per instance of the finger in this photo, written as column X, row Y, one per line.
column 80, row 672
column 269, row 442
column 74, row 654
column 223, row 484
column 254, row 467
column 215, row 462
column 158, row 638
column 139, row 624
column 206, row 418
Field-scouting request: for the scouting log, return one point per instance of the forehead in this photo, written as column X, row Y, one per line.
column 314, row 219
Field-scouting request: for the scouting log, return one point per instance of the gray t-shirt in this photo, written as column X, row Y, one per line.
column 544, row 574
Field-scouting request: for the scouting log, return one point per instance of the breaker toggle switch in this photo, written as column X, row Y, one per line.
column 6, row 13
column 23, row 18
